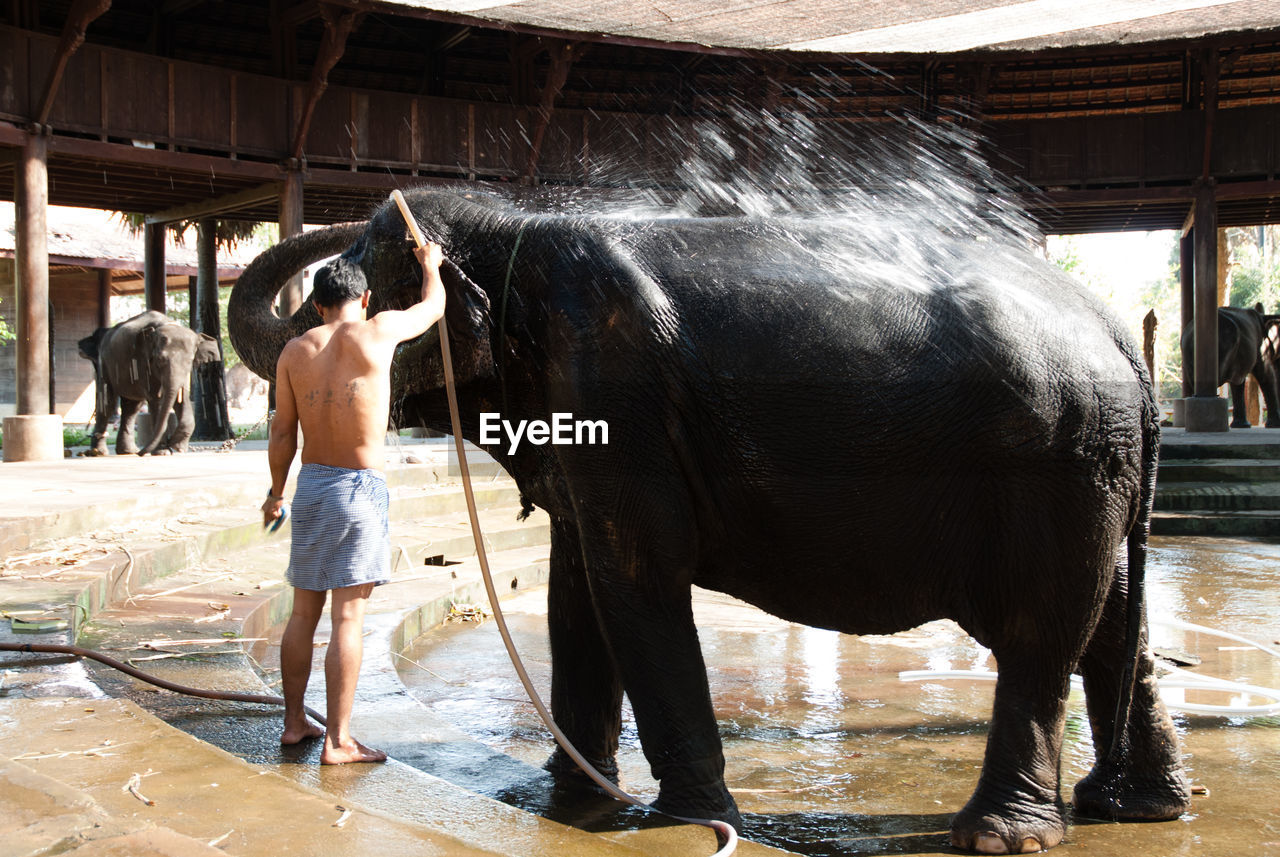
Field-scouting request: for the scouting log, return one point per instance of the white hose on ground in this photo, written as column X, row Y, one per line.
column 1177, row 679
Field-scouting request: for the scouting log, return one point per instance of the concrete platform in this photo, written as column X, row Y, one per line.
column 177, row 535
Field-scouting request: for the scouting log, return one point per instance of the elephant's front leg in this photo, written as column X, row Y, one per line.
column 640, row 581
column 1239, row 407
column 184, row 424
column 586, row 695
column 125, row 442
column 106, row 410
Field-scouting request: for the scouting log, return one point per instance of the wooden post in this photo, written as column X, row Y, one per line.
column 1205, row 381
column 207, row 280
column 31, row 203
column 1206, row 411
column 104, row 297
column 154, row 279
column 290, row 225
column 562, row 57
column 1186, row 277
column 208, row 382
column 35, row 432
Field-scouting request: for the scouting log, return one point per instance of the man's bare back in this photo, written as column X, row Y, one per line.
column 334, row 381
column 339, row 375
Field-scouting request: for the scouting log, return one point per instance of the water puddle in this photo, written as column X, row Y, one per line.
column 829, row 752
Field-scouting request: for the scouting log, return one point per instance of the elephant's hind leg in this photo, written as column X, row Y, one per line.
column 106, row 410
column 1016, row 807
column 1145, row 781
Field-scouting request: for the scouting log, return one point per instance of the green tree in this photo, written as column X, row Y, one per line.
column 1255, row 267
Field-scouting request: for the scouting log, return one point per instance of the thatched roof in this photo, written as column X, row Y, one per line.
column 873, row 26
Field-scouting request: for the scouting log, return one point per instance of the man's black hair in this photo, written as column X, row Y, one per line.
column 337, row 283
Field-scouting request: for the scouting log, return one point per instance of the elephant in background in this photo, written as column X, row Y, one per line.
column 147, row 358
column 1245, row 348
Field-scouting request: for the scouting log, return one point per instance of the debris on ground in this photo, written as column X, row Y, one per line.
column 460, row 612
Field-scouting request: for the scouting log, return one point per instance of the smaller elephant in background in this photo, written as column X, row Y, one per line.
column 147, row 358
column 1245, row 347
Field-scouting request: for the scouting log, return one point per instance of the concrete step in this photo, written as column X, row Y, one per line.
column 1217, row 470
column 1260, row 445
column 1218, row 496
column 79, row 575
column 386, row 716
column 1216, row 523
column 41, row 501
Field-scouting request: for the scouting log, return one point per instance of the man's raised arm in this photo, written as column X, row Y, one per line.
column 399, row 325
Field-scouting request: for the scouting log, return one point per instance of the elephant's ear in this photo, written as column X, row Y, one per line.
column 466, row 311
column 207, row 350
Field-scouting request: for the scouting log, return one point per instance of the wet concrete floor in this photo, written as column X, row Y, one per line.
column 829, row 753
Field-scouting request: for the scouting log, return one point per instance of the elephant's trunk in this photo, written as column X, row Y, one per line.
column 257, row 333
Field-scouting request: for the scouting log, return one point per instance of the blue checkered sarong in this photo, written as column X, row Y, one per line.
column 340, row 531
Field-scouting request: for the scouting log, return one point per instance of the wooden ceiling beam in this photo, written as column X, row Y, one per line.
column 337, row 27
column 80, row 16
column 218, row 205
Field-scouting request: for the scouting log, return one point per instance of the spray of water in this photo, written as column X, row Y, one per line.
column 890, row 196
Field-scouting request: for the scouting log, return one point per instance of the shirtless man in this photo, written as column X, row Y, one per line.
column 335, row 380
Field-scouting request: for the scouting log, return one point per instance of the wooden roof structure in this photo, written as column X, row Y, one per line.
column 1111, row 110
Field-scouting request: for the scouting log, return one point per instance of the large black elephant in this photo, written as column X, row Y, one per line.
column 798, row 420
column 147, row 358
column 1245, row 348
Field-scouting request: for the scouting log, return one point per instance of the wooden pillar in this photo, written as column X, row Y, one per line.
column 1186, row 277
column 204, row 315
column 208, row 384
column 1205, row 381
column 153, row 268
column 290, row 225
column 1206, row 411
column 31, row 203
column 104, row 297
column 35, row 432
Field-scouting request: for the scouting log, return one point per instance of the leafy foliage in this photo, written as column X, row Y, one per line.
column 1255, row 267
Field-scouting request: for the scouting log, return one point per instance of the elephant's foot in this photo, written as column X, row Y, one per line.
column 684, row 794
column 94, row 452
column 1105, row 794
column 162, row 451
column 1273, row 422
column 126, row 449
column 569, row 775
column 1241, row 424
column 1013, row 827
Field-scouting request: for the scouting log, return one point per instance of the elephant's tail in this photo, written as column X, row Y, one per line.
column 1136, row 544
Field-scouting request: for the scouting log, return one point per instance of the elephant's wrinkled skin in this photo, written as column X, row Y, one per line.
column 147, row 358
column 804, row 431
column 1244, row 348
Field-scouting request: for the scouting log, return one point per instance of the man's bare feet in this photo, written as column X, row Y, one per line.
column 296, row 734
column 350, row 752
